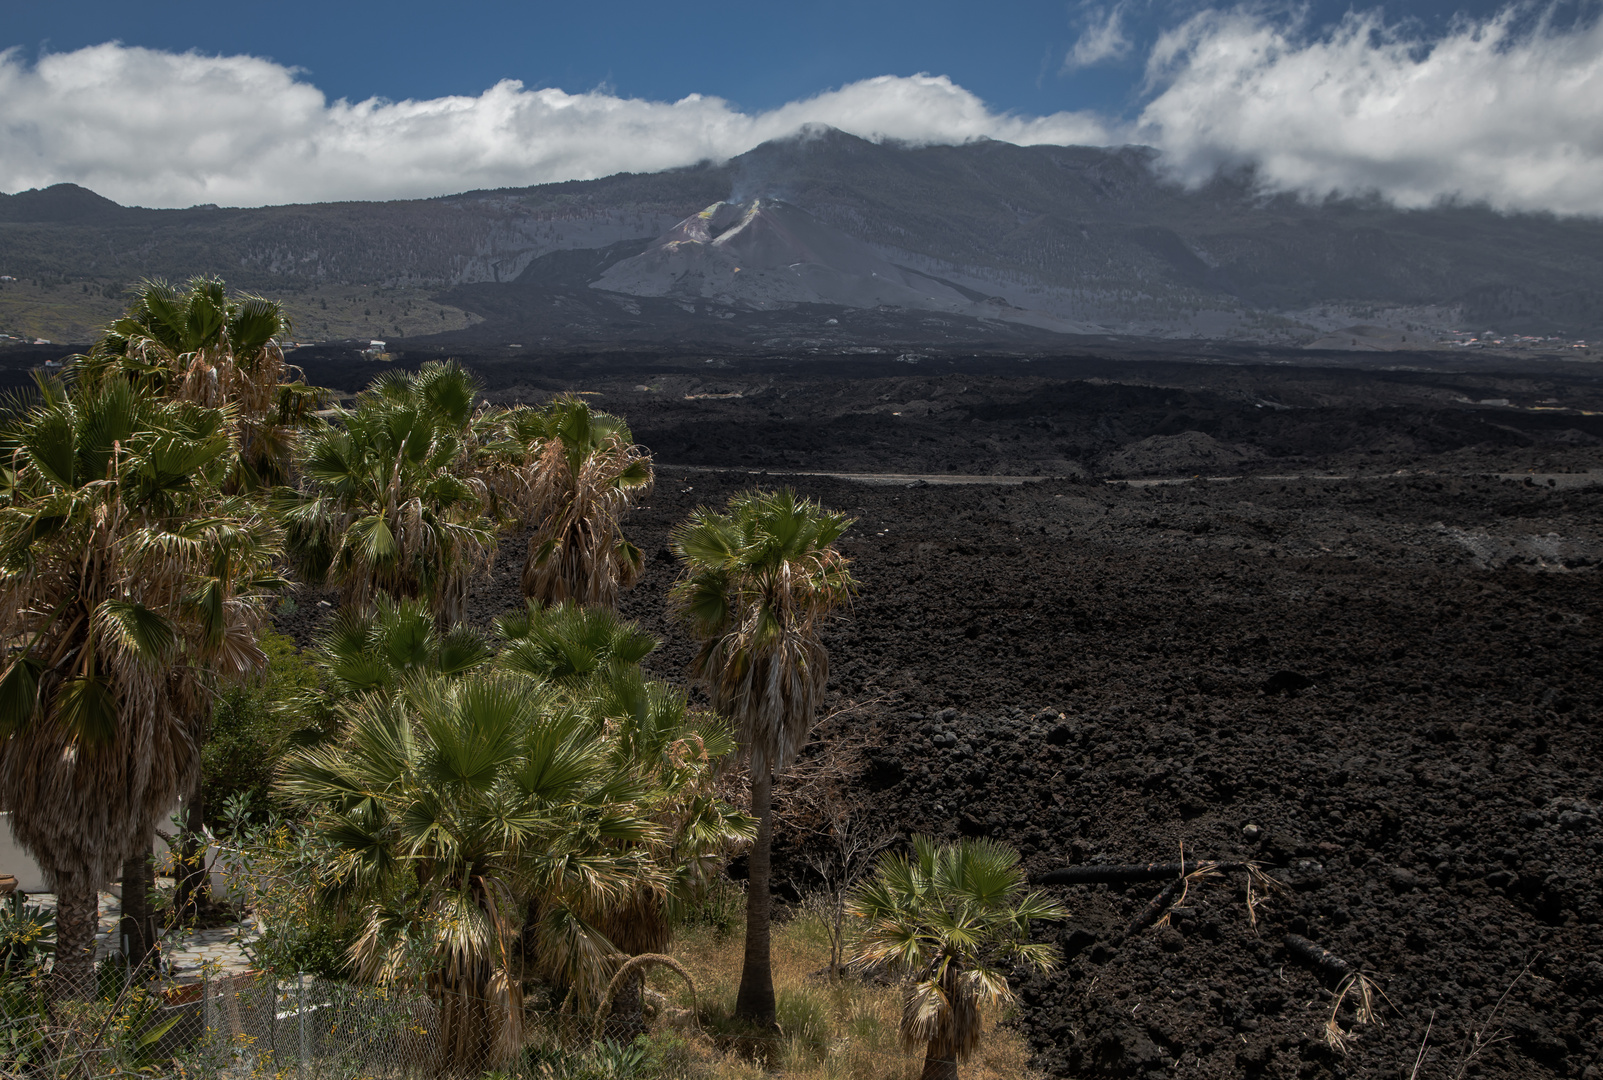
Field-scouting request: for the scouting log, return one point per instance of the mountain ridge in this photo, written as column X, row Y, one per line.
column 1095, row 239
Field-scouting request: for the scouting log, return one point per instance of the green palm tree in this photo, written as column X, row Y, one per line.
column 373, row 651
column 678, row 752
column 955, row 918
column 569, row 645
column 232, row 597
column 388, row 504
column 110, row 535
column 453, row 805
column 756, row 585
column 197, row 344
column 581, row 470
column 592, row 657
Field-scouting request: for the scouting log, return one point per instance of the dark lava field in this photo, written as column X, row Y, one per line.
column 1340, row 621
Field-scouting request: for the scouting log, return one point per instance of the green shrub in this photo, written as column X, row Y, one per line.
column 254, row 722
column 27, row 938
column 318, row 943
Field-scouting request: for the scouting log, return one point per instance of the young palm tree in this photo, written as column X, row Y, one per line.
column 108, row 527
column 591, row 656
column 569, row 645
column 679, row 753
column 583, row 471
column 757, row 582
column 364, row 652
column 387, row 505
column 454, row 804
column 957, row 919
column 196, row 344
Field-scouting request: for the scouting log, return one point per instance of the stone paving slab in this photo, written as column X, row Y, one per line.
column 184, row 952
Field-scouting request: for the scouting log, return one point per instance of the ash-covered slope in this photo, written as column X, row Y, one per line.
column 766, row 254
column 1081, row 236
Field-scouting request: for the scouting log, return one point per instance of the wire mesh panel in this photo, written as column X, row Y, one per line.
column 316, row 1029
column 310, row 1029
column 258, row 1028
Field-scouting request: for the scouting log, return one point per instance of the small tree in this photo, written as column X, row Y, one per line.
column 955, row 918
column 758, row 582
column 453, row 804
column 848, row 839
column 591, row 657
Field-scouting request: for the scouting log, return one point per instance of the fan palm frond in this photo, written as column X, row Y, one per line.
column 955, row 918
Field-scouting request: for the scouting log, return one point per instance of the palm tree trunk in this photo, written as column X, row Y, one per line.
column 628, row 1016
column 940, row 1061
column 138, row 927
column 77, row 919
column 755, row 1002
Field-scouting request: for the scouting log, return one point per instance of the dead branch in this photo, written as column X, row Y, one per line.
column 1487, row 1034
column 1321, row 960
column 635, row 963
column 1419, row 1059
column 1158, row 906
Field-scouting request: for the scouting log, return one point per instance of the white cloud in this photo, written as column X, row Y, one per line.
column 1487, row 112
column 1102, row 39
column 164, row 129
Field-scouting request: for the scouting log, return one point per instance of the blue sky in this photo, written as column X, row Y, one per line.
column 757, row 55
column 296, row 101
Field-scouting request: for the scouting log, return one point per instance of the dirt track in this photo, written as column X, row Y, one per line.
column 1392, row 677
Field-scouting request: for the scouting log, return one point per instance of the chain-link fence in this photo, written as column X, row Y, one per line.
column 308, row 1028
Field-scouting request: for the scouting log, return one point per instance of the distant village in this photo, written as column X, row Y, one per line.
column 1492, row 339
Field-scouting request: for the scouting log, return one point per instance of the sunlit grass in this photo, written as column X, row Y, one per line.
column 829, row 1030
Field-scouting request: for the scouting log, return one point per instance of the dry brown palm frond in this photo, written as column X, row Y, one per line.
column 574, row 951
column 577, row 550
column 1364, row 992
column 771, row 687
column 942, row 1009
column 628, row 968
column 1260, row 886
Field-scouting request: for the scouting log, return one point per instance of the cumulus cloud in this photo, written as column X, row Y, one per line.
column 1507, row 110
column 1102, row 39
column 1493, row 111
column 163, row 129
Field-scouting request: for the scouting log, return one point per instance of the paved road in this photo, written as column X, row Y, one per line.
column 1553, row 480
